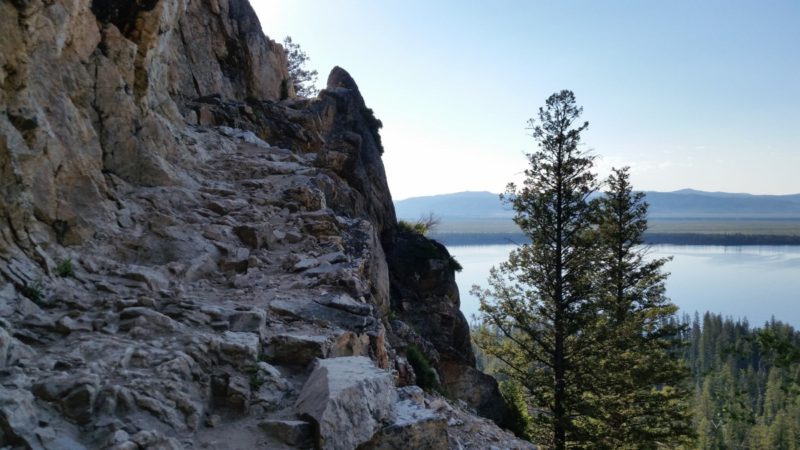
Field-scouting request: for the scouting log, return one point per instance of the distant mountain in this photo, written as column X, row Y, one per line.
column 688, row 203
column 682, row 204
column 460, row 205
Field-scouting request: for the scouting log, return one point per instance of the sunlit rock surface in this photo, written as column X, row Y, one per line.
column 180, row 247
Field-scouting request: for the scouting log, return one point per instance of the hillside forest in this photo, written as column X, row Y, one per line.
column 745, row 382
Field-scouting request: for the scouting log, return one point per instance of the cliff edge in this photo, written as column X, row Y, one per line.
column 187, row 260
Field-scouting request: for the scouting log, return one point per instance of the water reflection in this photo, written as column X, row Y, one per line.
column 755, row 282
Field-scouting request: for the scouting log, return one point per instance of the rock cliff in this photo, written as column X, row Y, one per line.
column 191, row 257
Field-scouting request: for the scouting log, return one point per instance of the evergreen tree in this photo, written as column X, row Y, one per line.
column 747, row 397
column 639, row 393
column 303, row 80
column 538, row 301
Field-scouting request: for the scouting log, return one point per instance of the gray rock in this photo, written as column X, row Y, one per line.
column 304, row 264
column 18, row 417
column 12, row 351
column 239, row 347
column 312, row 311
column 297, row 349
column 279, row 235
column 73, row 394
column 97, row 163
column 345, row 303
column 291, row 432
column 146, row 318
column 293, row 237
column 348, row 399
column 271, row 388
column 413, row 427
column 252, row 321
column 253, row 236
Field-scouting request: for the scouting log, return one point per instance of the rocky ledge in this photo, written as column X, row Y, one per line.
column 189, row 261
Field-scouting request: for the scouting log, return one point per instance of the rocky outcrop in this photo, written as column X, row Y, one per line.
column 426, row 301
column 338, row 127
column 94, row 87
column 180, row 244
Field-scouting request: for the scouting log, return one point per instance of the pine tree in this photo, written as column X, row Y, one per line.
column 639, row 392
column 538, row 302
column 303, row 80
column 747, row 398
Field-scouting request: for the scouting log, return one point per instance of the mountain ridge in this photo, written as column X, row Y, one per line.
column 683, row 203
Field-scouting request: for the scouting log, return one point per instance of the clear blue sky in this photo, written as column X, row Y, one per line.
column 700, row 94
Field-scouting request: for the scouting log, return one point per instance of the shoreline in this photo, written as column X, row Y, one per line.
column 730, row 239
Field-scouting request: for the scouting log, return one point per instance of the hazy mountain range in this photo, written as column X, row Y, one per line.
column 682, row 204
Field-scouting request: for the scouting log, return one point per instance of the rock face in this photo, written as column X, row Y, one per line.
column 182, row 241
column 425, row 296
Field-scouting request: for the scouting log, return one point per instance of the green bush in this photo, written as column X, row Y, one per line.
column 426, row 376
column 64, row 268
column 374, row 126
column 455, row 265
column 255, row 379
column 409, row 227
column 284, row 90
column 422, row 226
column 517, row 420
column 34, row 290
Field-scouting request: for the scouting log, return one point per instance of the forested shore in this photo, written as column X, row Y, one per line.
column 650, row 238
column 745, row 381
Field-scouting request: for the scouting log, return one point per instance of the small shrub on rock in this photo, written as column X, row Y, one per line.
column 34, row 291
column 426, row 376
column 422, row 226
column 65, row 269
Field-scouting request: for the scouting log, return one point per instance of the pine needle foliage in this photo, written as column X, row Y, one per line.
column 639, row 396
column 536, row 304
column 578, row 318
column 303, row 80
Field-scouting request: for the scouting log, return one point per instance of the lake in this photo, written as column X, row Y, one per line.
column 753, row 282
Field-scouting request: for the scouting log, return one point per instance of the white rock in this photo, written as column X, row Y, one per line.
column 239, row 347
column 349, row 399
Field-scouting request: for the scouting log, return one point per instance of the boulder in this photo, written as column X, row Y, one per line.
column 413, row 427
column 12, row 351
column 239, row 347
column 18, row 418
column 297, row 348
column 252, row 321
column 73, row 394
column 253, row 236
column 347, row 400
column 271, row 388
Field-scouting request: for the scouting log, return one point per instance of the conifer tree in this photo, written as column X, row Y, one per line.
column 639, row 393
column 303, row 80
column 537, row 305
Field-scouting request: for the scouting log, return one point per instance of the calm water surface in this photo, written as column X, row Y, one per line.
column 738, row 281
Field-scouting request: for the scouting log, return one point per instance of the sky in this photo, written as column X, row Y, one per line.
column 688, row 93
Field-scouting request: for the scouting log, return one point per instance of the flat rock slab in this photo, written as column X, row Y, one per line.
column 413, row 427
column 297, row 349
column 291, row 432
column 348, row 400
column 311, row 311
